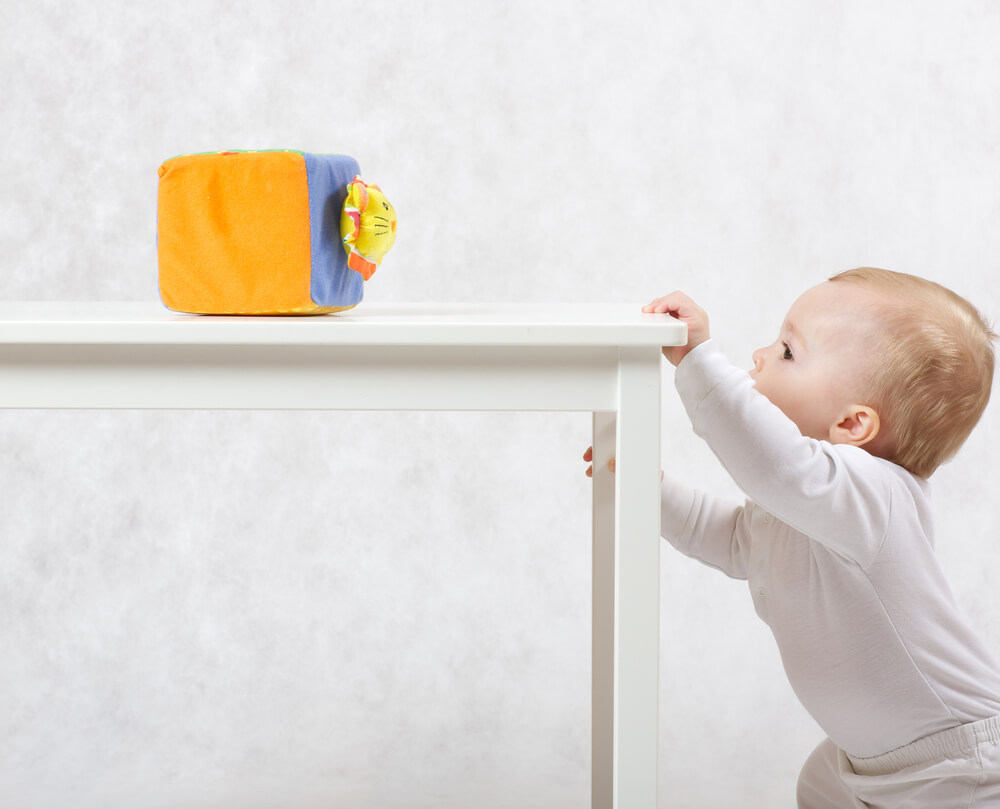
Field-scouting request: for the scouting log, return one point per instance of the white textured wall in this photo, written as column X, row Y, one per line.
column 392, row 610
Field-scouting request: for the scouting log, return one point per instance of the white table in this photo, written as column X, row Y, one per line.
column 577, row 357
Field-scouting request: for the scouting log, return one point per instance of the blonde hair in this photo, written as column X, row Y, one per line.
column 932, row 370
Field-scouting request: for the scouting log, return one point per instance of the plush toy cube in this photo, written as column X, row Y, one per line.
column 255, row 233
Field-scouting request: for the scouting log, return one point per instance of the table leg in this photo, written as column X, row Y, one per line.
column 603, row 618
column 637, row 579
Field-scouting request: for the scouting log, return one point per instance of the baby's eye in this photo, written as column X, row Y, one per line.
column 788, row 353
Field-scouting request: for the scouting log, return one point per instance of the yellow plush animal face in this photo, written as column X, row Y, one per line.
column 367, row 226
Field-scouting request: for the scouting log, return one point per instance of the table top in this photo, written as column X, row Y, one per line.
column 513, row 324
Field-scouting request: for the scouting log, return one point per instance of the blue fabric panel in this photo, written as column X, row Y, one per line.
column 332, row 283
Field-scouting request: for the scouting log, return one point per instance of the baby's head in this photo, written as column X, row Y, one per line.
column 894, row 363
column 931, row 369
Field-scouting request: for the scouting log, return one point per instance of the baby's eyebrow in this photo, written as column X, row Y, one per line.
column 790, row 328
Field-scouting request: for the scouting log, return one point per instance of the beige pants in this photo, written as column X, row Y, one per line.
column 954, row 769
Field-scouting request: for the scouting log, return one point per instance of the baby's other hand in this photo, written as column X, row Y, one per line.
column 588, row 456
column 688, row 312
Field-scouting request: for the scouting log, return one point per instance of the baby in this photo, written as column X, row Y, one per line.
column 874, row 380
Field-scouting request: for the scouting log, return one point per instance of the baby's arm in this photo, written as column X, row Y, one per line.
column 700, row 526
column 706, row 528
column 837, row 495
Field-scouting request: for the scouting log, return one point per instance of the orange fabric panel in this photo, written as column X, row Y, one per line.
column 234, row 233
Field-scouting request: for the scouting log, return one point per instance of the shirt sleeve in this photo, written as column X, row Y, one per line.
column 837, row 494
column 709, row 529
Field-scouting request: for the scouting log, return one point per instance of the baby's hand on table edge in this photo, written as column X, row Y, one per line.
column 588, row 456
column 694, row 317
column 689, row 313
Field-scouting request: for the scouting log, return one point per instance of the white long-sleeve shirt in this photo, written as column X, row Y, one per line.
column 837, row 546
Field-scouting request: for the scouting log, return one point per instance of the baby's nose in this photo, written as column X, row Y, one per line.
column 758, row 358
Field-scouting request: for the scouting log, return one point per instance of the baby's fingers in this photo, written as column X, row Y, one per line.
column 676, row 303
column 588, row 456
column 590, row 470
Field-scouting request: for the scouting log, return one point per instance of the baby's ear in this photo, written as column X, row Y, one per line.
column 856, row 425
